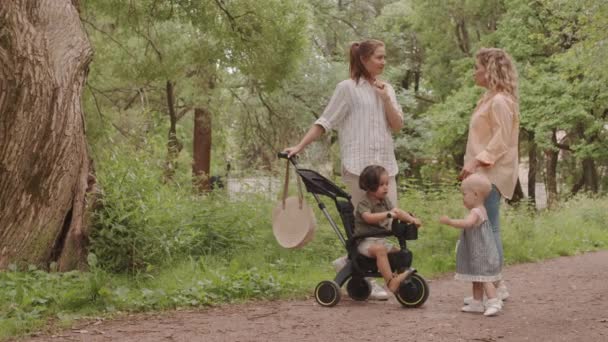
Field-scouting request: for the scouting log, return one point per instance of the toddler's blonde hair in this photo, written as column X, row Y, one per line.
column 479, row 184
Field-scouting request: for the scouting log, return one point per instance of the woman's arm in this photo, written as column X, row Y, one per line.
column 393, row 114
column 501, row 118
column 313, row 134
column 333, row 115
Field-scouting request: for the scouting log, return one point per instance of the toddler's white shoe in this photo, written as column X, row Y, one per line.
column 468, row 300
column 493, row 306
column 501, row 292
column 378, row 292
column 475, row 306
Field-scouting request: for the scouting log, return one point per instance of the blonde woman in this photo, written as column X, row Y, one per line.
column 492, row 144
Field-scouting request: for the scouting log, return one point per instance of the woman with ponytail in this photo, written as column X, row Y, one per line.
column 492, row 144
column 365, row 112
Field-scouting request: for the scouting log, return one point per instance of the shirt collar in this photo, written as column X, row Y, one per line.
column 375, row 202
column 362, row 81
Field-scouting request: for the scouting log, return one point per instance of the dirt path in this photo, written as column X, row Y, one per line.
column 564, row 299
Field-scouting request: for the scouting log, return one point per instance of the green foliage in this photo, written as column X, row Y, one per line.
column 29, row 298
column 142, row 222
column 209, row 50
column 449, row 122
column 266, row 70
column 557, row 47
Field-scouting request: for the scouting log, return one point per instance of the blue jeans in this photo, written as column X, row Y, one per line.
column 492, row 205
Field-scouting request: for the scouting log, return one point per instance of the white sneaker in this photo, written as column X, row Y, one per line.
column 468, row 300
column 378, row 292
column 501, row 292
column 475, row 306
column 493, row 306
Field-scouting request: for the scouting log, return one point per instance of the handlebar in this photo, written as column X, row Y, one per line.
column 293, row 159
column 400, row 230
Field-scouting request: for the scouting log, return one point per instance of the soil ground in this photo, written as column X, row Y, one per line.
column 563, row 299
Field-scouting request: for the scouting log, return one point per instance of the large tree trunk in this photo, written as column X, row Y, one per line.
column 201, row 149
column 44, row 164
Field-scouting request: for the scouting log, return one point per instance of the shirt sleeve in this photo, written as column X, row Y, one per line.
column 480, row 217
column 336, row 110
column 501, row 118
column 364, row 207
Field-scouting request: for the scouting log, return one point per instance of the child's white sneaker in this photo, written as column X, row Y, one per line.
column 378, row 292
column 493, row 306
column 468, row 300
column 475, row 306
column 501, row 292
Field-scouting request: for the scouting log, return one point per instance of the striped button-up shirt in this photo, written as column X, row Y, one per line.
column 357, row 113
column 493, row 140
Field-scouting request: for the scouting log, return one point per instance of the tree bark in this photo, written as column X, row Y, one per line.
column 551, row 157
column 590, row 175
column 589, row 178
column 202, row 150
column 551, row 175
column 532, row 160
column 44, row 164
column 174, row 146
column 462, row 36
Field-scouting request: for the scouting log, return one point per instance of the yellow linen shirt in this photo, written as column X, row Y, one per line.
column 493, row 140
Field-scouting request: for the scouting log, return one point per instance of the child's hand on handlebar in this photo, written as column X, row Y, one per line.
column 406, row 217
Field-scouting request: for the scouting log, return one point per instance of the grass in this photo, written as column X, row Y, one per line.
column 260, row 269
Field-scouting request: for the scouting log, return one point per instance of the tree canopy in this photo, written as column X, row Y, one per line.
column 266, row 69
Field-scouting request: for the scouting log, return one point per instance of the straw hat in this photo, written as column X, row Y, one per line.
column 293, row 224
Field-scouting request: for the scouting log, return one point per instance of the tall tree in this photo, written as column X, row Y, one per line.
column 44, row 164
column 201, row 48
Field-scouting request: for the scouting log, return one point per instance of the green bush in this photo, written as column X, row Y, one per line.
column 142, row 223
